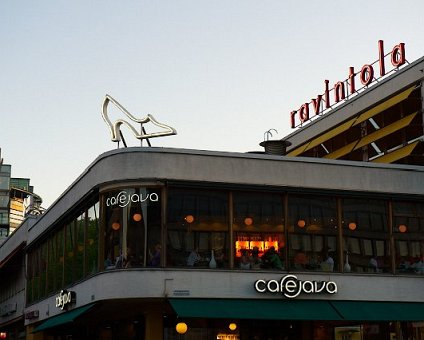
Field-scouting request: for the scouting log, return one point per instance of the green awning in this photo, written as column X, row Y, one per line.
column 380, row 311
column 255, row 309
column 62, row 319
column 298, row 309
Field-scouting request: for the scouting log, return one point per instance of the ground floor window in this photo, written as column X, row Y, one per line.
column 210, row 329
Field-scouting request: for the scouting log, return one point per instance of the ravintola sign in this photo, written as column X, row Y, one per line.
column 342, row 89
column 291, row 287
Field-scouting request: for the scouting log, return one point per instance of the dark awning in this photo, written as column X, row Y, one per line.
column 298, row 309
column 255, row 309
column 62, row 319
column 380, row 311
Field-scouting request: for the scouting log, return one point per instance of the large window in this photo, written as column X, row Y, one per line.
column 313, row 231
column 92, row 239
column 258, row 230
column 67, row 255
column 237, row 229
column 132, row 228
column 366, row 236
column 197, row 228
column 408, row 231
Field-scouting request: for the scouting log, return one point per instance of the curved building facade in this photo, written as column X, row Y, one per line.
column 280, row 247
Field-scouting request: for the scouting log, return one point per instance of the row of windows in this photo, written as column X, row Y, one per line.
column 196, row 228
column 69, row 254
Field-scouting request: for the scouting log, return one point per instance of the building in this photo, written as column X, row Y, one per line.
column 5, row 170
column 381, row 122
column 17, row 202
column 23, row 201
column 17, row 199
column 158, row 243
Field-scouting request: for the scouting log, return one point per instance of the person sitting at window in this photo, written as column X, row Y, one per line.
column 300, row 260
column 327, row 264
column 155, row 259
column 108, row 262
column 244, row 260
column 255, row 259
column 271, row 259
column 193, row 258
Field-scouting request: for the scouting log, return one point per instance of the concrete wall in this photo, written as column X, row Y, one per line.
column 234, row 284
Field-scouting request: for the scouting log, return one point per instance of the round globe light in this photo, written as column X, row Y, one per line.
column 181, row 327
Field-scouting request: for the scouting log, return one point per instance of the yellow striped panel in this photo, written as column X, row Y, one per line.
column 354, row 121
column 397, row 154
column 321, row 139
column 16, row 205
column 372, row 137
column 385, row 105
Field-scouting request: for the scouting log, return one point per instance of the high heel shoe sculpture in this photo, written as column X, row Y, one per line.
column 115, row 127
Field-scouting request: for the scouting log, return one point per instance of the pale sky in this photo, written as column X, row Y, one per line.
column 220, row 72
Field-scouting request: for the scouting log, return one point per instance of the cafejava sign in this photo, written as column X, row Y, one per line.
column 65, row 298
column 342, row 89
column 291, row 287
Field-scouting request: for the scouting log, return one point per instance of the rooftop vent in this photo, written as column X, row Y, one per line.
column 274, row 147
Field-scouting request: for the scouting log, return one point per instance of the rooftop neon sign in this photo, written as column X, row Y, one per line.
column 342, row 89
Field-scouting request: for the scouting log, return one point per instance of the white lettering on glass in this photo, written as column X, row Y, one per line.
column 123, row 198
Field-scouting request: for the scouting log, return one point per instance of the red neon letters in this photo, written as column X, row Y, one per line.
column 366, row 76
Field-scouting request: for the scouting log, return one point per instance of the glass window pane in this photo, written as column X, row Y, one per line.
column 92, row 245
column 365, row 236
column 259, row 230
column 197, row 228
column 408, row 231
column 69, row 252
column 133, row 228
column 79, row 247
column 312, row 230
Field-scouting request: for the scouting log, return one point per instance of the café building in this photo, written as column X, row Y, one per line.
column 289, row 243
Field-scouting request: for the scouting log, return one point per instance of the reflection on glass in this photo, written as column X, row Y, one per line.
column 365, row 247
column 259, row 231
column 197, row 228
column 132, row 228
column 312, row 230
column 408, row 231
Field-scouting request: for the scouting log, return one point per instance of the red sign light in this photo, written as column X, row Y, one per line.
column 342, row 89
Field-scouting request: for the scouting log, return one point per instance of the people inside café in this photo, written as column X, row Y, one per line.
column 418, row 266
column 155, row 256
column 374, row 264
column 245, row 260
column 129, row 260
column 271, row 259
column 193, row 258
column 219, row 256
column 300, row 260
column 108, row 262
column 327, row 263
column 255, row 260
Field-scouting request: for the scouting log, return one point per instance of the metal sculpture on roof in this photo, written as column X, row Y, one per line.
column 115, row 127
